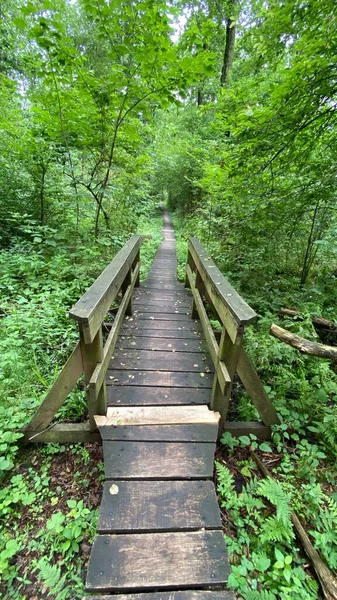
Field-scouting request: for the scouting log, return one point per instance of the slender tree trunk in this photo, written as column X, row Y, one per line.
column 230, row 43
column 42, row 202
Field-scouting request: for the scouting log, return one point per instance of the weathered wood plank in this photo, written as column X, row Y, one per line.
column 147, row 360
column 185, row 595
column 255, row 389
column 157, row 415
column 64, row 433
column 94, row 304
column 238, row 428
column 183, row 334
column 137, row 507
column 160, row 344
column 136, row 323
column 61, row 388
column 158, row 460
column 157, row 561
column 159, row 379
column 159, row 305
column 98, row 376
column 133, row 396
column 163, row 315
column 160, row 433
column 218, row 286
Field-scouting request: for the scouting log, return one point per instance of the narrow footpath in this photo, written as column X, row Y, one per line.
column 159, row 533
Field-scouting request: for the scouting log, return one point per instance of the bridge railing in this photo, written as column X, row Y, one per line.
column 211, row 289
column 91, row 356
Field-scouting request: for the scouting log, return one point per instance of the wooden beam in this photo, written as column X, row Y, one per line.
column 231, row 307
column 98, row 376
column 255, row 389
column 157, row 415
column 238, row 428
column 61, row 388
column 94, row 304
column 63, row 433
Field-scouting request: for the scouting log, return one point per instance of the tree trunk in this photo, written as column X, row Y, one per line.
column 229, row 46
column 319, row 322
column 303, row 345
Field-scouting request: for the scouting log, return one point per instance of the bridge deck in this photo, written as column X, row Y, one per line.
column 159, row 531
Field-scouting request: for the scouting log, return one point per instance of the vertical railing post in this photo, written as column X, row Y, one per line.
column 228, row 352
column 92, row 353
column 125, row 285
column 134, row 264
column 190, row 262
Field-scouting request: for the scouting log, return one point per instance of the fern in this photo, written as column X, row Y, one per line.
column 226, row 483
column 275, row 494
column 51, row 576
column 274, row 530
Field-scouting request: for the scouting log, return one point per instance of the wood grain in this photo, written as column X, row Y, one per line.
column 157, row 561
column 159, row 379
column 161, row 433
column 148, row 360
column 158, row 460
column 140, row 506
column 157, row 415
column 131, row 395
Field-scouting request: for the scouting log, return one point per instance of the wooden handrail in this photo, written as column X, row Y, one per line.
column 91, row 308
column 209, row 286
column 220, row 291
column 91, row 356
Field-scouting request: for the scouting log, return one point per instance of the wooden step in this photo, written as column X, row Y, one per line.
column 170, row 345
column 157, row 561
column 160, row 433
column 153, row 331
column 140, row 506
column 129, row 395
column 158, row 460
column 163, row 315
column 161, row 321
column 159, row 379
column 147, row 360
column 157, row 415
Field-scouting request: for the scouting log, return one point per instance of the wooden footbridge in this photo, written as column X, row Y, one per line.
column 152, row 375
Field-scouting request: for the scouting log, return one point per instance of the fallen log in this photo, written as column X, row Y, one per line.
column 326, row 577
column 318, row 322
column 303, row 345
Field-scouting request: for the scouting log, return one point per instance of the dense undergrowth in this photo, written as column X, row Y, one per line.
column 44, row 526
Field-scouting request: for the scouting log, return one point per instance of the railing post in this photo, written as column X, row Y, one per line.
column 134, row 264
column 228, row 353
column 190, row 262
column 92, row 354
column 125, row 285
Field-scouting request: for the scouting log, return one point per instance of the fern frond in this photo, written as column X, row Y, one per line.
column 275, row 494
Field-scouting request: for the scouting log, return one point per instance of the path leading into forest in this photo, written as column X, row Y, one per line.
column 159, row 533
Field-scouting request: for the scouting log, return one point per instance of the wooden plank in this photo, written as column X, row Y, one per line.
column 92, row 354
column 131, row 395
column 147, row 360
column 161, row 344
column 157, row 305
column 158, row 460
column 180, row 333
column 136, row 506
column 64, row 433
column 238, row 428
column 206, row 326
column 183, row 317
column 136, row 323
column 160, row 433
column 157, row 561
column 94, row 304
column 178, row 595
column 157, row 415
column 255, row 389
column 159, row 379
column 98, row 376
column 180, row 294
column 61, row 388
column 174, row 313
column 221, row 289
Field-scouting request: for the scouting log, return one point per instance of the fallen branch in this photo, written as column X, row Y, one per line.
column 326, row 577
column 318, row 322
column 303, row 345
